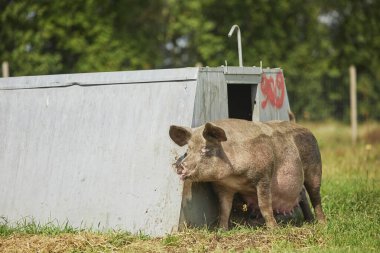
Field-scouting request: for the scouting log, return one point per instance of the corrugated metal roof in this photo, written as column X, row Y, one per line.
column 99, row 78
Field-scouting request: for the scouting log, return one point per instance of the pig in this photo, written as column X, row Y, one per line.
column 267, row 163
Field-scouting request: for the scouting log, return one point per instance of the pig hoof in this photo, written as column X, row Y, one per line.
column 322, row 221
column 271, row 225
column 223, row 228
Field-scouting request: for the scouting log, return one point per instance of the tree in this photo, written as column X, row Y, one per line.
column 355, row 35
column 48, row 37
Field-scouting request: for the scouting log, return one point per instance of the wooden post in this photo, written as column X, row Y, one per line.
column 5, row 67
column 354, row 120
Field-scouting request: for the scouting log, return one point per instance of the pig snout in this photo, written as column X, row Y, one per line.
column 180, row 166
column 180, row 160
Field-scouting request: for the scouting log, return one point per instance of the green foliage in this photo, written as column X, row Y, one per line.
column 47, row 37
column 313, row 41
column 354, row 32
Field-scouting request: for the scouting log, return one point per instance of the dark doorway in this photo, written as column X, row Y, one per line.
column 240, row 101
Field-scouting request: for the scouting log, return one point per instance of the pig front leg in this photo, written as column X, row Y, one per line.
column 264, row 197
column 187, row 191
column 225, row 204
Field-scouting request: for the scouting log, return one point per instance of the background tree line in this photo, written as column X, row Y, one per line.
column 313, row 41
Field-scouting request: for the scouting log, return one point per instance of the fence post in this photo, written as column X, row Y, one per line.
column 5, row 67
column 354, row 120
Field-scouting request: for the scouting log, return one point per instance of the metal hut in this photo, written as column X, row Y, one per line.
column 93, row 149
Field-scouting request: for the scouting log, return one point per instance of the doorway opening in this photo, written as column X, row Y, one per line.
column 241, row 100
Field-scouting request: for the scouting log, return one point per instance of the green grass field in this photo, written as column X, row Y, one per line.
column 351, row 199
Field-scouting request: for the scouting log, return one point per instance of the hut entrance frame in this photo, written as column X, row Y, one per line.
column 241, row 89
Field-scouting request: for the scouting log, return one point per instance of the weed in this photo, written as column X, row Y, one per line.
column 120, row 239
column 170, row 240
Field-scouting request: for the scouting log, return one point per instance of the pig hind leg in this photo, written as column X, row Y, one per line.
column 312, row 166
column 305, row 207
column 313, row 185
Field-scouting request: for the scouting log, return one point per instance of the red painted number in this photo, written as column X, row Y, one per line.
column 274, row 91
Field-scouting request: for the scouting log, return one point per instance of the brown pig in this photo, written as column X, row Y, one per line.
column 267, row 163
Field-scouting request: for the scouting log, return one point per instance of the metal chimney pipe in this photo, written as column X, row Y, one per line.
column 239, row 42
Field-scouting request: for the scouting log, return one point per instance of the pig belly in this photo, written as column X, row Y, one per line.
column 286, row 188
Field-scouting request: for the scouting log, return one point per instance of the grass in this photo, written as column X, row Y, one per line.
column 351, row 198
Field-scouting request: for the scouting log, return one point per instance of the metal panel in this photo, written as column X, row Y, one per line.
column 201, row 209
column 231, row 70
column 243, row 79
column 271, row 97
column 242, row 75
column 211, row 98
column 95, row 156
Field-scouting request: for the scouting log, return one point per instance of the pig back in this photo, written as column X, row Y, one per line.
column 240, row 131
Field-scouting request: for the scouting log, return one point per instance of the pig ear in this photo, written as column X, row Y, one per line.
column 180, row 135
column 212, row 132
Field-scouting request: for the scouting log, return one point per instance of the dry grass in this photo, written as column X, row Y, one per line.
column 47, row 243
column 192, row 240
column 351, row 197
